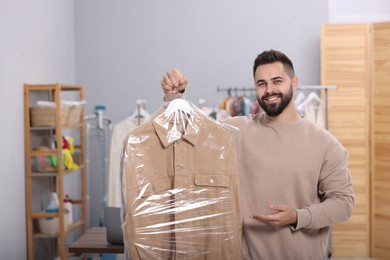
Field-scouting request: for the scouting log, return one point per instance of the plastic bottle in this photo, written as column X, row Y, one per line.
column 50, row 225
column 53, row 205
column 68, row 207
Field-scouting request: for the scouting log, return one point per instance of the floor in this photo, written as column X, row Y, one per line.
column 352, row 258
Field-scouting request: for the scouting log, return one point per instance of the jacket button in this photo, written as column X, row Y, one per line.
column 211, row 181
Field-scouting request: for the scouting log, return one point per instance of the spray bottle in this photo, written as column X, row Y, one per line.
column 68, row 207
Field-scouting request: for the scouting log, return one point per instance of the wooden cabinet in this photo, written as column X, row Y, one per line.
column 380, row 141
column 356, row 58
column 41, row 131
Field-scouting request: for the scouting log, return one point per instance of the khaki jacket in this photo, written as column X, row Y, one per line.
column 180, row 189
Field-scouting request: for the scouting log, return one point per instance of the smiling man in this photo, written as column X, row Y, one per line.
column 272, row 100
column 294, row 175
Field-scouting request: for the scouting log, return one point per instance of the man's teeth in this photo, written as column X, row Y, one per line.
column 272, row 98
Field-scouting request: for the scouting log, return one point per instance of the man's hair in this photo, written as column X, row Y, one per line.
column 271, row 56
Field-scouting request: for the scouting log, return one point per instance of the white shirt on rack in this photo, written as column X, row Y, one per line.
column 118, row 136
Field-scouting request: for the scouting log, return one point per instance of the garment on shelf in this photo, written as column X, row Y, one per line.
column 180, row 187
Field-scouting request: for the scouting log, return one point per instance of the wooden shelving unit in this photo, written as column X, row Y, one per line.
column 55, row 180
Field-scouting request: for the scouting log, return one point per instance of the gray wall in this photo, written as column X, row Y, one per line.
column 124, row 47
column 36, row 46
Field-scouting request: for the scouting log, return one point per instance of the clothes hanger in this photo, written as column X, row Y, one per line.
column 300, row 97
column 140, row 112
column 313, row 96
column 178, row 105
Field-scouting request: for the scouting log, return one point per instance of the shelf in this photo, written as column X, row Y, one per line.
column 50, row 128
column 54, row 174
column 42, row 153
column 42, row 214
column 54, row 87
column 34, row 153
column 72, row 227
column 37, row 188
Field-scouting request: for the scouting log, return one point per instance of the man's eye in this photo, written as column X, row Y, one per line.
column 277, row 82
column 261, row 84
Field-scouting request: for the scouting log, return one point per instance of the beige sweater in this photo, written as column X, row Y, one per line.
column 298, row 164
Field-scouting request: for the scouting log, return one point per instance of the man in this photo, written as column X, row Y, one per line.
column 293, row 174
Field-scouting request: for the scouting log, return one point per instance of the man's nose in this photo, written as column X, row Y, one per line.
column 268, row 87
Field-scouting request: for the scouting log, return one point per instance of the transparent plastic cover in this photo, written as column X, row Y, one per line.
column 180, row 187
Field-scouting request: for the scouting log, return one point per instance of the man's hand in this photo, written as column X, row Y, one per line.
column 283, row 215
column 174, row 82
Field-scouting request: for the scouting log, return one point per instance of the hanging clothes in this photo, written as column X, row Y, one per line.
column 180, row 188
column 239, row 105
column 311, row 107
column 310, row 112
column 299, row 99
column 223, row 104
column 118, row 136
column 320, row 118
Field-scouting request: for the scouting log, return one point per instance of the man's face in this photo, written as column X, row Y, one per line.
column 274, row 88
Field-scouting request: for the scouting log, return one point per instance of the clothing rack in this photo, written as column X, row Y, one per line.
column 141, row 106
column 304, row 87
column 97, row 129
column 235, row 89
column 320, row 87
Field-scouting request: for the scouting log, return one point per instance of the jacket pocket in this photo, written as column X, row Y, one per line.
column 212, row 180
column 154, row 187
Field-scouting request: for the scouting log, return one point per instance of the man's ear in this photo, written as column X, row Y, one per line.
column 294, row 83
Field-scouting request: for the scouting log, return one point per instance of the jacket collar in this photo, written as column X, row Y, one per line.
column 178, row 125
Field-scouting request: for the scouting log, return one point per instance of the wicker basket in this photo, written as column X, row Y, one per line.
column 46, row 116
column 74, row 115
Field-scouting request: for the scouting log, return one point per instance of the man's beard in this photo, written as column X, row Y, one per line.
column 277, row 108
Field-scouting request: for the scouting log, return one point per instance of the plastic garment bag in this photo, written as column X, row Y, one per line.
column 180, row 187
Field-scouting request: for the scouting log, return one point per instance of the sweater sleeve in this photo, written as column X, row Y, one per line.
column 304, row 219
column 334, row 190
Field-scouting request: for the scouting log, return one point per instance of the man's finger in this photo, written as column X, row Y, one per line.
column 173, row 79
